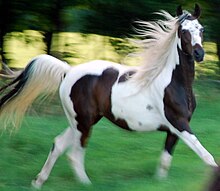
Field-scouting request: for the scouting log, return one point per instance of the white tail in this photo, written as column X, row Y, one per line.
column 42, row 75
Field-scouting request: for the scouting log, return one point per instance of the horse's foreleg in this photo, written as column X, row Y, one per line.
column 192, row 141
column 166, row 156
column 184, row 132
column 61, row 143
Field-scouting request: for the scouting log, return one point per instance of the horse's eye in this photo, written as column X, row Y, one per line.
column 183, row 31
column 202, row 30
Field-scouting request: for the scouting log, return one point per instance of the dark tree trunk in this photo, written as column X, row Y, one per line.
column 5, row 15
column 48, row 41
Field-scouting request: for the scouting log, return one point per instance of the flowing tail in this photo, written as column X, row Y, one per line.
column 42, row 75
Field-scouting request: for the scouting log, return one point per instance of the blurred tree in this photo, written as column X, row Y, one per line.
column 50, row 18
column 115, row 18
column 44, row 16
column 106, row 17
column 50, row 10
column 214, row 16
column 6, row 18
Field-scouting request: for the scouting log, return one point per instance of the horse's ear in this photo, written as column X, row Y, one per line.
column 197, row 11
column 179, row 10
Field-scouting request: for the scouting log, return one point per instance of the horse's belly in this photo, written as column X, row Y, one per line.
column 140, row 120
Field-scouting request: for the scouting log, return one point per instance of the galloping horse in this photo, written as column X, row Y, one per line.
column 155, row 96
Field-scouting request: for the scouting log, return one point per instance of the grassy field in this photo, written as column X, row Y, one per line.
column 116, row 160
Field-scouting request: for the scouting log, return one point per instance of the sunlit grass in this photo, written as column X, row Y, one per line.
column 21, row 47
column 77, row 48
column 210, row 67
column 211, row 50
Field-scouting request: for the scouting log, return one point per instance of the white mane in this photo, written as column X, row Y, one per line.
column 160, row 40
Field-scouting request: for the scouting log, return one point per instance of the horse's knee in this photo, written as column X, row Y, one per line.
column 63, row 141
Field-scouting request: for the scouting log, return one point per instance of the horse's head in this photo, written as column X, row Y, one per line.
column 190, row 33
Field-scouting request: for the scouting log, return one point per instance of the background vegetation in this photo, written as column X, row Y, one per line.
column 82, row 30
column 48, row 26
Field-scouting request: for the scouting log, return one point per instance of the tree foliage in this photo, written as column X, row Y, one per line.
column 106, row 17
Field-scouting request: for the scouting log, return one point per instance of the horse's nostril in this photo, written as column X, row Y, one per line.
column 196, row 53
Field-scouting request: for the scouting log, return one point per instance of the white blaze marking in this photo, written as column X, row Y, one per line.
column 194, row 27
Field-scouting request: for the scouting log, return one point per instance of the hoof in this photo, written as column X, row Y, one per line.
column 35, row 185
column 161, row 174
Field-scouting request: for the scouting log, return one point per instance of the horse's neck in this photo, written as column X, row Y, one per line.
column 183, row 75
column 185, row 71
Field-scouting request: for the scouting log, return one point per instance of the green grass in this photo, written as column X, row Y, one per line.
column 116, row 160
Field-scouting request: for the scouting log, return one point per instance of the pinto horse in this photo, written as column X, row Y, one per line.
column 157, row 95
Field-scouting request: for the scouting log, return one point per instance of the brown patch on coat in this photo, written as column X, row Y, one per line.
column 91, row 97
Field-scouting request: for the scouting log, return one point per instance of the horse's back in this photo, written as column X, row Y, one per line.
column 92, row 68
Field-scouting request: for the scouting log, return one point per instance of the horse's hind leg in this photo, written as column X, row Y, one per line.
column 76, row 155
column 77, row 151
column 61, row 143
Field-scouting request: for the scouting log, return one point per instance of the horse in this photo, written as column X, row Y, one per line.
column 156, row 95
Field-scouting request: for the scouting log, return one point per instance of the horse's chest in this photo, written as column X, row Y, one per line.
column 140, row 111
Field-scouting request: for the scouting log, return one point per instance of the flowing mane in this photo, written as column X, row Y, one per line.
column 159, row 46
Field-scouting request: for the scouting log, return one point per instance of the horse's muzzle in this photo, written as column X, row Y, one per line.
column 198, row 54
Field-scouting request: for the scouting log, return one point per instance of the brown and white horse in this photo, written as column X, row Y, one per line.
column 157, row 95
